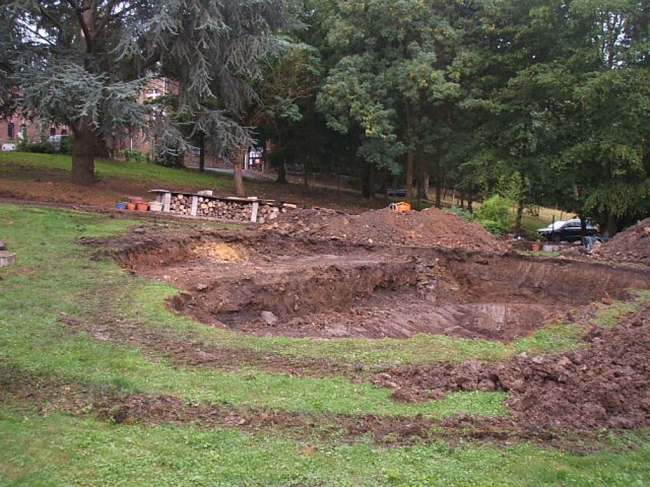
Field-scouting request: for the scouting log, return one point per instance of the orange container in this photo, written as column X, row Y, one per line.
column 401, row 206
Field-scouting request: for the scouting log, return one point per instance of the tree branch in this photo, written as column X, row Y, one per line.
column 79, row 12
column 109, row 18
column 50, row 18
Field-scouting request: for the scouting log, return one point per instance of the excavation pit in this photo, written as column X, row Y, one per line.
column 265, row 284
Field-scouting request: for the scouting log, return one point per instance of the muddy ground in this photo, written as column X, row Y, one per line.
column 329, row 275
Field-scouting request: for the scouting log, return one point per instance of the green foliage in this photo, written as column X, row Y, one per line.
column 390, row 79
column 39, row 147
column 495, row 214
column 87, row 67
column 135, row 156
column 461, row 212
column 568, row 105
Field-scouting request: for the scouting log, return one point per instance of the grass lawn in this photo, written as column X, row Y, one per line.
column 57, row 281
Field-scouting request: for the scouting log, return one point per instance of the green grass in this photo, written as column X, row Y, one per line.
column 56, row 275
column 62, row 451
column 611, row 314
column 24, row 164
column 553, row 338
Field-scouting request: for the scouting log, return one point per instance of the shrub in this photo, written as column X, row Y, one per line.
column 461, row 212
column 495, row 215
column 66, row 145
column 135, row 155
column 40, row 147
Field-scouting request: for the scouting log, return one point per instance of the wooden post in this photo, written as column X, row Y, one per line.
column 256, row 206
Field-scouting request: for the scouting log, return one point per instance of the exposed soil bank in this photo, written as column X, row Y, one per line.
column 267, row 284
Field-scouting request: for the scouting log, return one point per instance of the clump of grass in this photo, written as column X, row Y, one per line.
column 610, row 314
column 553, row 338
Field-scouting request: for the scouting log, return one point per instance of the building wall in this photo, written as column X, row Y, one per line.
column 16, row 128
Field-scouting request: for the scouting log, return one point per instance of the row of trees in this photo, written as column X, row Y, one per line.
column 543, row 101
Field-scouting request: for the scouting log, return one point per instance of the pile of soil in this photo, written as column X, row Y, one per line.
column 385, row 227
column 604, row 385
column 632, row 245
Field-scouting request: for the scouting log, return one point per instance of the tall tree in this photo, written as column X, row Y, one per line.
column 565, row 101
column 286, row 95
column 390, row 75
column 9, row 46
column 85, row 62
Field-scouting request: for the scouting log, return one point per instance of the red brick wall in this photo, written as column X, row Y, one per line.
column 32, row 130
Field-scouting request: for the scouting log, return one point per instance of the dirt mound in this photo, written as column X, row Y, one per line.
column 632, row 245
column 605, row 385
column 427, row 228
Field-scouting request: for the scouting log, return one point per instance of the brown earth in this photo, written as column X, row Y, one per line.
column 334, row 274
column 632, row 245
column 291, row 279
column 605, row 385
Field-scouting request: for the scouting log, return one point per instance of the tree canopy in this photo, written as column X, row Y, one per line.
column 542, row 101
column 84, row 63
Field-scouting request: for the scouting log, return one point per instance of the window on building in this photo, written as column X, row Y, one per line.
column 10, row 130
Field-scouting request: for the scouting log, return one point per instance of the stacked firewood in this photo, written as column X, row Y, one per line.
column 209, row 207
column 181, row 204
column 267, row 213
column 226, row 210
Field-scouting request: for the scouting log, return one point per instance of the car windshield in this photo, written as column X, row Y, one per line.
column 556, row 225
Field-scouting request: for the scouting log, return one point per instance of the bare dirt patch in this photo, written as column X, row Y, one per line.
column 324, row 284
column 630, row 246
column 267, row 282
column 329, row 274
column 605, row 385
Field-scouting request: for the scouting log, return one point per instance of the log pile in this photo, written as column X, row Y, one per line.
column 181, row 204
column 226, row 210
column 204, row 206
column 268, row 213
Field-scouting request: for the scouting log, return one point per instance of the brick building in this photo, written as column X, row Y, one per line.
column 16, row 128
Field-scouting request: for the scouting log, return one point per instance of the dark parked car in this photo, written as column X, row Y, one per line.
column 567, row 230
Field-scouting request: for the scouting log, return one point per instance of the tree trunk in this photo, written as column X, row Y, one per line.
column 366, row 180
column 519, row 217
column 410, row 169
column 423, row 180
column 83, row 155
column 610, row 224
column 305, row 175
column 202, row 154
column 282, row 172
column 238, row 166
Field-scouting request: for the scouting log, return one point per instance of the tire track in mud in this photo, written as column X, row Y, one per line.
column 606, row 385
column 44, row 395
column 167, row 345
